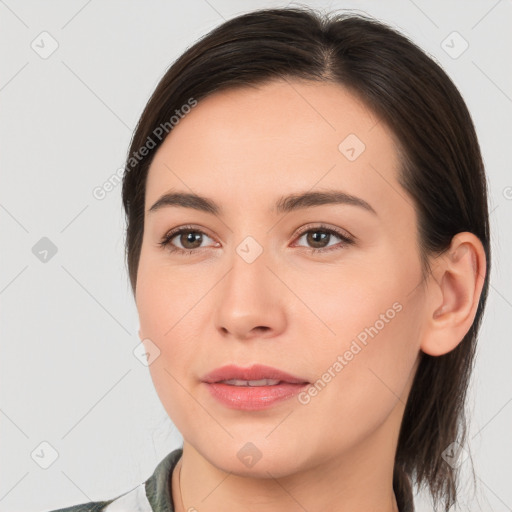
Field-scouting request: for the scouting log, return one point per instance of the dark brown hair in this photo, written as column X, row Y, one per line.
column 441, row 169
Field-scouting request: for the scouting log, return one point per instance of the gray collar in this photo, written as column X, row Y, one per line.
column 158, row 490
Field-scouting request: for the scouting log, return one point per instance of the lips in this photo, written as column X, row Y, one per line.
column 252, row 389
column 254, row 373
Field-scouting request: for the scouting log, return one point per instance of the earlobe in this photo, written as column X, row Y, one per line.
column 453, row 294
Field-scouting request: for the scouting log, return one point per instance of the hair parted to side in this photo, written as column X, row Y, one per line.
column 441, row 168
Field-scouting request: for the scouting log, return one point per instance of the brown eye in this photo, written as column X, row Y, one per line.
column 184, row 239
column 190, row 239
column 318, row 238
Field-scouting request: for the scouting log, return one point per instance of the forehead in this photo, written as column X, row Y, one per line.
column 252, row 143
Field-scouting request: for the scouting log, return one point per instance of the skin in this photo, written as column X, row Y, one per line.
column 290, row 308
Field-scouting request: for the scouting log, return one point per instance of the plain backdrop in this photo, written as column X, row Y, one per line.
column 75, row 76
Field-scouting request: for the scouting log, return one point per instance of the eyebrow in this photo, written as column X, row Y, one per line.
column 284, row 204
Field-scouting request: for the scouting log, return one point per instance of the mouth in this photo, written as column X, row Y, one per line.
column 256, row 375
column 252, row 383
column 254, row 388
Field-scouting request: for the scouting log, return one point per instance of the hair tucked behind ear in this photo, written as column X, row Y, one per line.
column 441, row 170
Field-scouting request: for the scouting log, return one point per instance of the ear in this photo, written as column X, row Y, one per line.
column 453, row 294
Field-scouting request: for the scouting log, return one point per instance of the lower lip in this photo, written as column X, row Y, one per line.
column 253, row 398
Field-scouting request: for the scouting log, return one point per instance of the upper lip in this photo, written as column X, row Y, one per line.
column 255, row 372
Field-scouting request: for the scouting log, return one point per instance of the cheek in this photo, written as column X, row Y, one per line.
column 362, row 379
column 160, row 297
column 167, row 308
column 170, row 371
column 368, row 319
column 353, row 299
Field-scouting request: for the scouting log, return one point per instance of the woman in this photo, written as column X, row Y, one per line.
column 309, row 255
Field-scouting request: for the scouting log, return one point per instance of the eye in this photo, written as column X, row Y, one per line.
column 318, row 236
column 189, row 237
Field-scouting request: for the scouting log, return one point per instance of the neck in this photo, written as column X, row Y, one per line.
column 356, row 481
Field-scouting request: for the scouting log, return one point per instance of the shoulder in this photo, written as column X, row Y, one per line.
column 91, row 506
column 134, row 499
column 153, row 495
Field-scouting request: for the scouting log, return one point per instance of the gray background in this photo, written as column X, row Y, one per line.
column 69, row 325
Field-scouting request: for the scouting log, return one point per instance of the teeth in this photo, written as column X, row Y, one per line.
column 261, row 382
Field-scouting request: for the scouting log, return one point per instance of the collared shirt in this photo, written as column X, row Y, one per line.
column 152, row 495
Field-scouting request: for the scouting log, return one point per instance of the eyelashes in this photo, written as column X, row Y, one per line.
column 168, row 237
column 327, row 232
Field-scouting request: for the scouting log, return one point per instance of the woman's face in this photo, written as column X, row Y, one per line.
column 244, row 286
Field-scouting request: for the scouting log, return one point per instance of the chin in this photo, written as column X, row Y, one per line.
column 258, row 459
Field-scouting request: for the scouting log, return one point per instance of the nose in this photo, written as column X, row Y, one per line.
column 250, row 300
